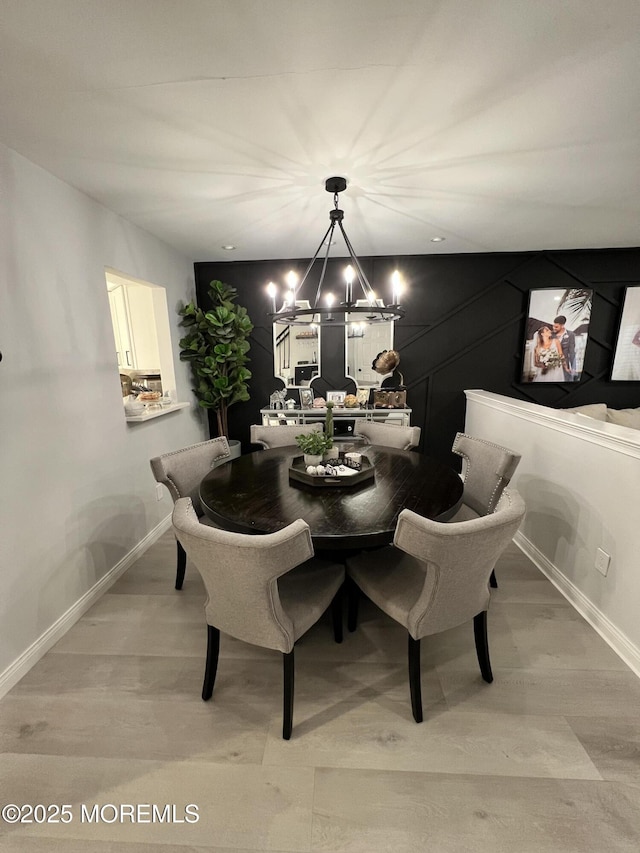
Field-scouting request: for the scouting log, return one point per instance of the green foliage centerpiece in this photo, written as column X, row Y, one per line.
column 216, row 345
column 314, row 443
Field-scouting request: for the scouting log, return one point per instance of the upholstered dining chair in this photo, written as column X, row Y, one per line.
column 280, row 436
column 181, row 472
column 265, row 589
column 435, row 577
column 388, row 435
column 487, row 469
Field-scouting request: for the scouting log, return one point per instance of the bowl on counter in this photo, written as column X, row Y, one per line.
column 134, row 408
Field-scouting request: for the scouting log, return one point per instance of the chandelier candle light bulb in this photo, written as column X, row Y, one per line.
column 396, row 287
column 272, row 291
column 330, row 299
column 348, row 274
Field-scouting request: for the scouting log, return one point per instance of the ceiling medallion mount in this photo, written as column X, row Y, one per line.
column 323, row 310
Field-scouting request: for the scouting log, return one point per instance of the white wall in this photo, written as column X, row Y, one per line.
column 580, row 479
column 77, row 492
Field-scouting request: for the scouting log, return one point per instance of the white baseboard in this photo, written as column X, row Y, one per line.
column 19, row 668
column 618, row 641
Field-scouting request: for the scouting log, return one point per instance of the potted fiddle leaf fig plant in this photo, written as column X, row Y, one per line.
column 216, row 346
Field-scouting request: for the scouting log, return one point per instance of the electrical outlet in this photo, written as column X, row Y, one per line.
column 159, row 491
column 602, row 561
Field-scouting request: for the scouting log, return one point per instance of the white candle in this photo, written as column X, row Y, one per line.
column 348, row 274
column 272, row 291
column 396, row 287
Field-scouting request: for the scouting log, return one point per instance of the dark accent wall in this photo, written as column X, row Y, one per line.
column 464, row 328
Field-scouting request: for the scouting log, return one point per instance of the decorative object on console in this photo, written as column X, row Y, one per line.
column 336, row 397
column 386, row 362
column 325, row 309
column 556, row 334
column 306, row 398
column 276, row 400
column 391, row 398
column 363, row 395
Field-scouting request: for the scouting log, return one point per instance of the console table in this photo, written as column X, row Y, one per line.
column 295, row 417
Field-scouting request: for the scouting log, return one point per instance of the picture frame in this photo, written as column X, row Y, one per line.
column 306, row 398
column 626, row 356
column 556, row 334
column 336, row 397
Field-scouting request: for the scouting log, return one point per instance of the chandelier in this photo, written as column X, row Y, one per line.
column 325, row 309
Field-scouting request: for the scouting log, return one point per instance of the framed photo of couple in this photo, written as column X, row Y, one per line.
column 626, row 359
column 556, row 334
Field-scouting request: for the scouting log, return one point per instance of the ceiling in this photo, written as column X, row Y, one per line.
column 499, row 125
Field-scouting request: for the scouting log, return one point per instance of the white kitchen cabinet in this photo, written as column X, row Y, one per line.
column 121, row 327
column 134, row 327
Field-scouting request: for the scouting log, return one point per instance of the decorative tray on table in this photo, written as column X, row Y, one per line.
column 340, row 475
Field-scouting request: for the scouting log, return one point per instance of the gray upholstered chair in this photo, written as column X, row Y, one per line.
column 437, row 577
column 267, row 590
column 280, row 436
column 388, row 435
column 487, row 469
column 181, row 472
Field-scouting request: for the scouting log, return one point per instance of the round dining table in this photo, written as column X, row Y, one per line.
column 254, row 494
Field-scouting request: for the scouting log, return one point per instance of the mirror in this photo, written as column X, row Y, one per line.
column 363, row 342
column 296, row 352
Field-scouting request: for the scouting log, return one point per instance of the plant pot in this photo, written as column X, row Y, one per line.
column 332, row 453
column 312, row 459
column 235, row 448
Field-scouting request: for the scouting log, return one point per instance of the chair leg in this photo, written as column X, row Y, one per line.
column 182, row 565
column 493, row 583
column 287, row 708
column 336, row 615
column 211, row 667
column 353, row 598
column 482, row 645
column 414, row 679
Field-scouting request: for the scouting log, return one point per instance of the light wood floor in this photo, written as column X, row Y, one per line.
column 545, row 759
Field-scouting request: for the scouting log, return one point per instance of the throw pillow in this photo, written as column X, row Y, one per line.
column 598, row 411
column 624, row 417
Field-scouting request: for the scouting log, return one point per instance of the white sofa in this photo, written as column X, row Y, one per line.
column 580, row 479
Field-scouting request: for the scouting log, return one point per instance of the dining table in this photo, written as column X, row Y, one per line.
column 256, row 493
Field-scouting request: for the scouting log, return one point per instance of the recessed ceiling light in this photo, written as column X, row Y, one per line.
column 228, row 248
column 438, row 239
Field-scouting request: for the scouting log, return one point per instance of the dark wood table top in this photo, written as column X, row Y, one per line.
column 253, row 494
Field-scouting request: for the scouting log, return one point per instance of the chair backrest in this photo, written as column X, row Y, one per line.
column 320, row 386
column 487, row 469
column 182, row 470
column 388, row 435
column 240, row 573
column 280, row 436
column 458, row 559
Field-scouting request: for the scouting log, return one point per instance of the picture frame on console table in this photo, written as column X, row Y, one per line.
column 306, row 398
column 556, row 334
column 626, row 357
column 336, row 397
